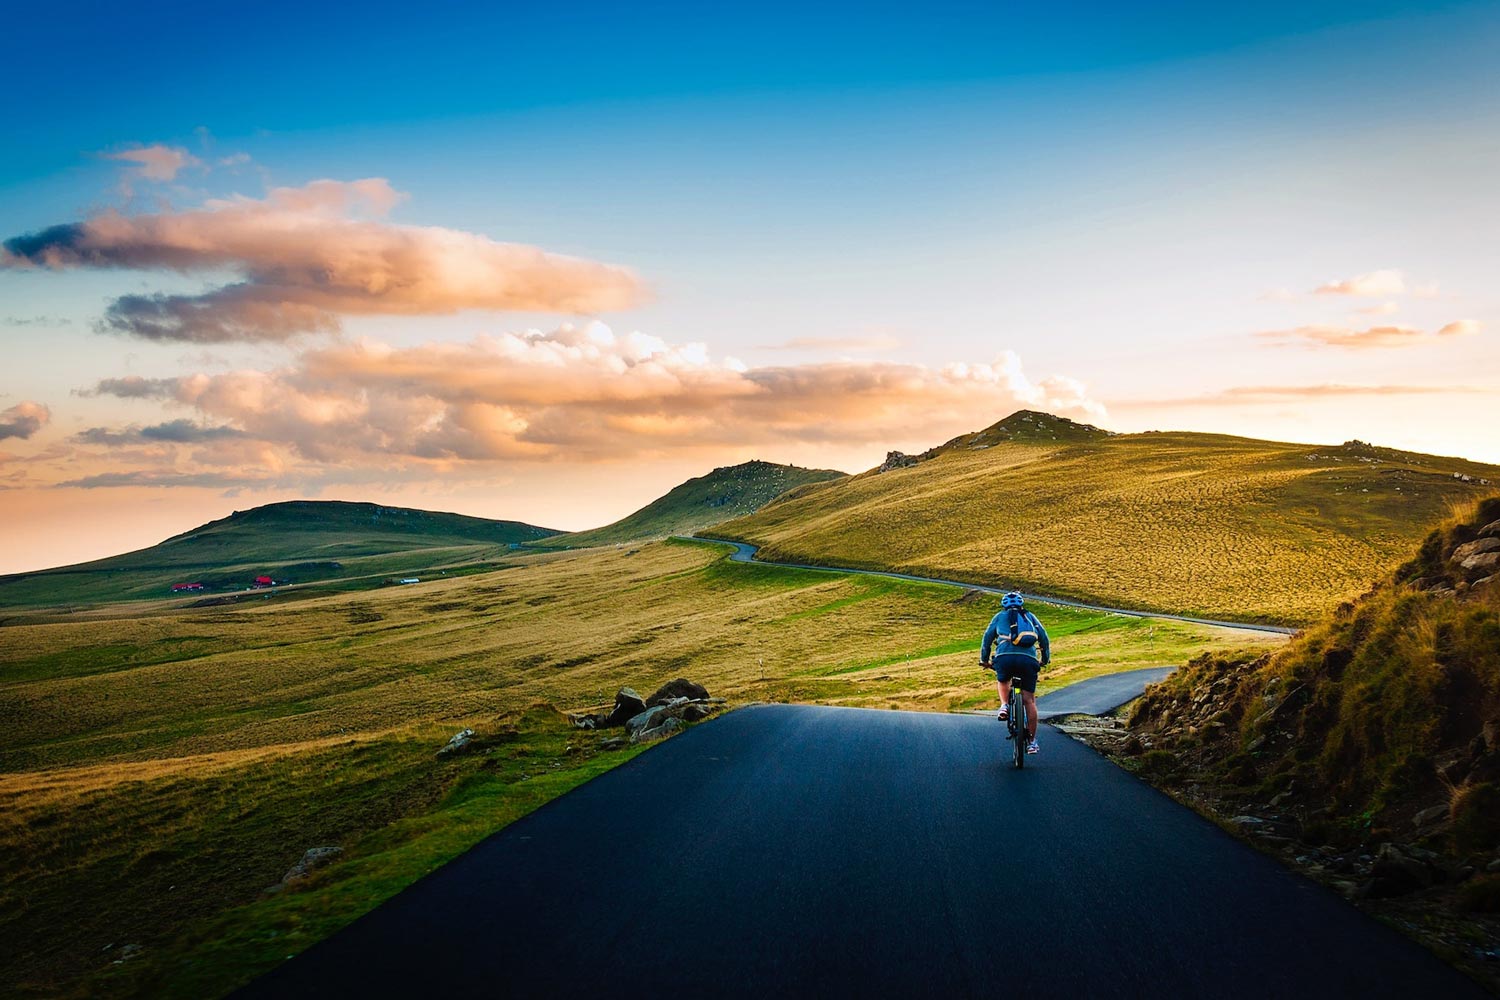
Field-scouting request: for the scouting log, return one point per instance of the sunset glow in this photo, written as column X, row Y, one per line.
column 528, row 272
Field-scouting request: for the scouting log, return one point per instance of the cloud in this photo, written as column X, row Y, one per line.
column 1460, row 328
column 585, row 393
column 144, row 477
column 133, row 387
column 1375, row 336
column 172, row 431
column 1372, row 285
column 33, row 321
column 156, row 162
column 309, row 256
column 23, row 420
column 1380, row 309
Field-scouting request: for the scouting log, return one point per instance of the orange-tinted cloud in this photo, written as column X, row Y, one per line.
column 156, row 162
column 1375, row 336
column 309, row 256
column 23, row 420
column 1460, row 328
column 582, row 394
column 1375, row 284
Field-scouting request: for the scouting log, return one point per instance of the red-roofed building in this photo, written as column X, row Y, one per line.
column 178, row 588
column 263, row 581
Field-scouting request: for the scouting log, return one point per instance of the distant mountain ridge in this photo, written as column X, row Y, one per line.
column 299, row 541
column 1207, row 525
column 326, row 515
column 721, row 495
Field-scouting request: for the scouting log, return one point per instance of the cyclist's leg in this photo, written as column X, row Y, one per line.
column 1004, row 688
column 1026, row 678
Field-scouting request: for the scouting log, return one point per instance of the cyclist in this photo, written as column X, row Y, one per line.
column 1021, row 650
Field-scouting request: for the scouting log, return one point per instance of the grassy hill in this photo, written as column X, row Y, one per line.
column 300, row 541
column 725, row 493
column 1204, row 524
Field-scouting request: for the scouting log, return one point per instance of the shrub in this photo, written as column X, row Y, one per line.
column 1480, row 895
column 1476, row 817
column 1156, row 764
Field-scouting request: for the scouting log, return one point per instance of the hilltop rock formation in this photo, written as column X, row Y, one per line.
column 897, row 460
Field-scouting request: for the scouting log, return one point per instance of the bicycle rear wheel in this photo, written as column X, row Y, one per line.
column 1018, row 732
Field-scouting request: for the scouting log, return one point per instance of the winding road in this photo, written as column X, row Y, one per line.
column 745, row 552
column 786, row 850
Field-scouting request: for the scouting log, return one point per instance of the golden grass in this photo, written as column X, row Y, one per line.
column 1200, row 524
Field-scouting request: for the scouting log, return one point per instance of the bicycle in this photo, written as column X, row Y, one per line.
column 1015, row 723
column 1015, row 719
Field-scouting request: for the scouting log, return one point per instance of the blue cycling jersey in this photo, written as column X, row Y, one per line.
column 1004, row 627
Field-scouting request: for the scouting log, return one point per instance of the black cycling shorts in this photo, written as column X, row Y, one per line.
column 1022, row 667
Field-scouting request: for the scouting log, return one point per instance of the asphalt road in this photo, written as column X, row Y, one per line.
column 1098, row 695
column 744, row 552
column 807, row 851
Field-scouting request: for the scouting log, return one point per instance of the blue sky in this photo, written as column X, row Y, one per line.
column 1140, row 199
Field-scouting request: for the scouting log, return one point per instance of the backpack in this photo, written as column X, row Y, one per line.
column 1025, row 625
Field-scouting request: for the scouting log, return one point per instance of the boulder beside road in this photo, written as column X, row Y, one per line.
column 676, row 689
column 669, row 708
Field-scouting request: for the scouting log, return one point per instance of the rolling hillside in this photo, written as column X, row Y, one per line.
column 300, row 541
column 725, row 493
column 1202, row 524
column 160, row 771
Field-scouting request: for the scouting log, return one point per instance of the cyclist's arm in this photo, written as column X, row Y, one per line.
column 1041, row 638
column 990, row 635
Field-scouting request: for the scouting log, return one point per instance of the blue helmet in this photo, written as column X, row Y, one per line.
column 1012, row 602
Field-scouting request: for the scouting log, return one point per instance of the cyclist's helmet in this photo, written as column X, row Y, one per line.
column 1012, row 602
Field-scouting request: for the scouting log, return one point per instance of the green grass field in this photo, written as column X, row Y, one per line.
column 1201, row 524
column 161, row 771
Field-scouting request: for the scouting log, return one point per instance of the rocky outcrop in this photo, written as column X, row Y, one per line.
column 646, row 720
column 684, row 688
column 462, row 742
column 897, row 460
column 312, row 859
column 669, row 708
column 1480, row 557
column 628, row 705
